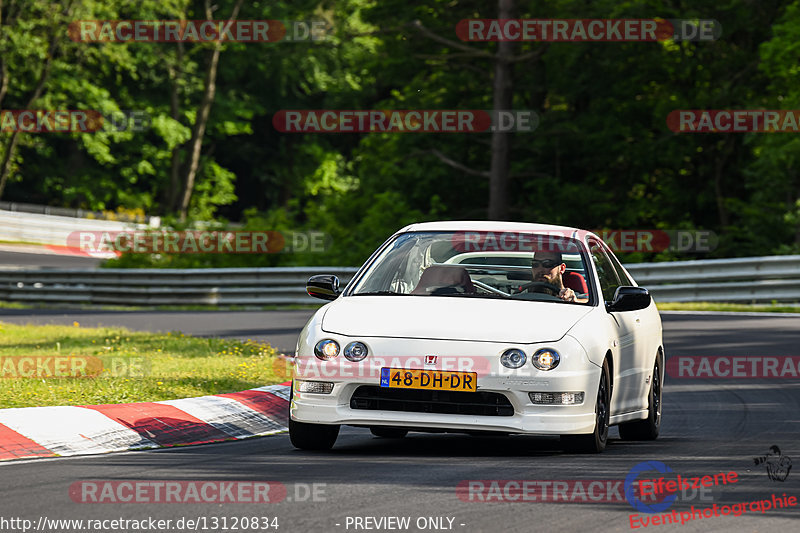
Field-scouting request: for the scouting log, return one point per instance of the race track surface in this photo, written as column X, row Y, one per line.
column 710, row 426
column 11, row 258
column 279, row 328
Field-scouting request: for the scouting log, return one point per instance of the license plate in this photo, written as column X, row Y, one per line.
column 429, row 379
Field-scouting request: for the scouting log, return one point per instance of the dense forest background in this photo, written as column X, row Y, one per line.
column 601, row 157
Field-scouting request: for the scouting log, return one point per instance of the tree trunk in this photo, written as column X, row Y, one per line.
column 3, row 80
column 501, row 142
column 795, row 205
column 719, row 174
column 11, row 146
column 201, row 120
column 176, row 73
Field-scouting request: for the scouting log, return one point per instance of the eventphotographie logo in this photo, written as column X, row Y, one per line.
column 778, row 466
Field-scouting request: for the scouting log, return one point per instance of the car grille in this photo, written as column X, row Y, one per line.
column 375, row 398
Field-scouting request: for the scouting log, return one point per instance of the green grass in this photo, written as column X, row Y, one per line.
column 136, row 367
column 741, row 308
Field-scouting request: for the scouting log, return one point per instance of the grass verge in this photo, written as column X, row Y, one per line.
column 72, row 365
column 740, row 308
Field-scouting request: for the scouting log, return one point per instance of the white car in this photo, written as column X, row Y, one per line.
column 482, row 326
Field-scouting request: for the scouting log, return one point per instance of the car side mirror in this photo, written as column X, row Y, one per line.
column 629, row 299
column 325, row 286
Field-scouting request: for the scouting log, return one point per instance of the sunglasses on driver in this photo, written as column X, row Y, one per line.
column 545, row 263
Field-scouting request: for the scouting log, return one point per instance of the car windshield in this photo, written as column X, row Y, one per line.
column 513, row 265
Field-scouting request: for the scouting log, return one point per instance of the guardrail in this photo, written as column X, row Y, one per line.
column 752, row 279
column 48, row 210
column 202, row 286
column 17, row 226
column 743, row 280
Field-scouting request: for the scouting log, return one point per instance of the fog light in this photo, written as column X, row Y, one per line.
column 546, row 359
column 556, row 398
column 355, row 351
column 513, row 358
column 326, row 349
column 317, row 387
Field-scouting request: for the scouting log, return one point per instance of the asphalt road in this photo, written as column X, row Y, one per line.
column 11, row 258
column 709, row 426
column 279, row 328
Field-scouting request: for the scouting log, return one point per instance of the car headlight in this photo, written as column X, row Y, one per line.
column 546, row 359
column 326, row 349
column 513, row 358
column 355, row 351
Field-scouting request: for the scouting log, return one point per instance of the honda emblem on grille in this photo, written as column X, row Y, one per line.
column 430, row 359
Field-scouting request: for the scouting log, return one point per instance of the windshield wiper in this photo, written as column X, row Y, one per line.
column 485, row 296
column 379, row 293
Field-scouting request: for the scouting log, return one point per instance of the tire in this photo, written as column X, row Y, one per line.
column 307, row 436
column 648, row 428
column 317, row 437
column 388, row 432
column 596, row 441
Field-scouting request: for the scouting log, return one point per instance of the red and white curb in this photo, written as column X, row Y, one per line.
column 92, row 429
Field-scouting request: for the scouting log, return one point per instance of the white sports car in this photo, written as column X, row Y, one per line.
column 482, row 326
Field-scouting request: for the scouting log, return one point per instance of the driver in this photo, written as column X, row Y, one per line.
column 549, row 267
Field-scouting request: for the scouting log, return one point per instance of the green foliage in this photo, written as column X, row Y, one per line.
column 602, row 156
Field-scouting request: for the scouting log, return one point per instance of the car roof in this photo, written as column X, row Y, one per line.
column 486, row 225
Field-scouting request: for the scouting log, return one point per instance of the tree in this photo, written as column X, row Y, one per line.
column 45, row 39
column 201, row 118
column 502, row 100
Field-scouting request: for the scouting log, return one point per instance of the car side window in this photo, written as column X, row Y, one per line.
column 605, row 271
column 621, row 274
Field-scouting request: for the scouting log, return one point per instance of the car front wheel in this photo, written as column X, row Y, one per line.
column 594, row 442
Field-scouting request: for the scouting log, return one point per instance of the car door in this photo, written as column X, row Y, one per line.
column 627, row 389
column 647, row 328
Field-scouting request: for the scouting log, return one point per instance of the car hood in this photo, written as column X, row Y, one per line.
column 451, row 318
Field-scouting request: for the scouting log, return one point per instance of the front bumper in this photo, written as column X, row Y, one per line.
column 575, row 374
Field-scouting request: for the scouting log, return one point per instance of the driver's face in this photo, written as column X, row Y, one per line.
column 546, row 268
